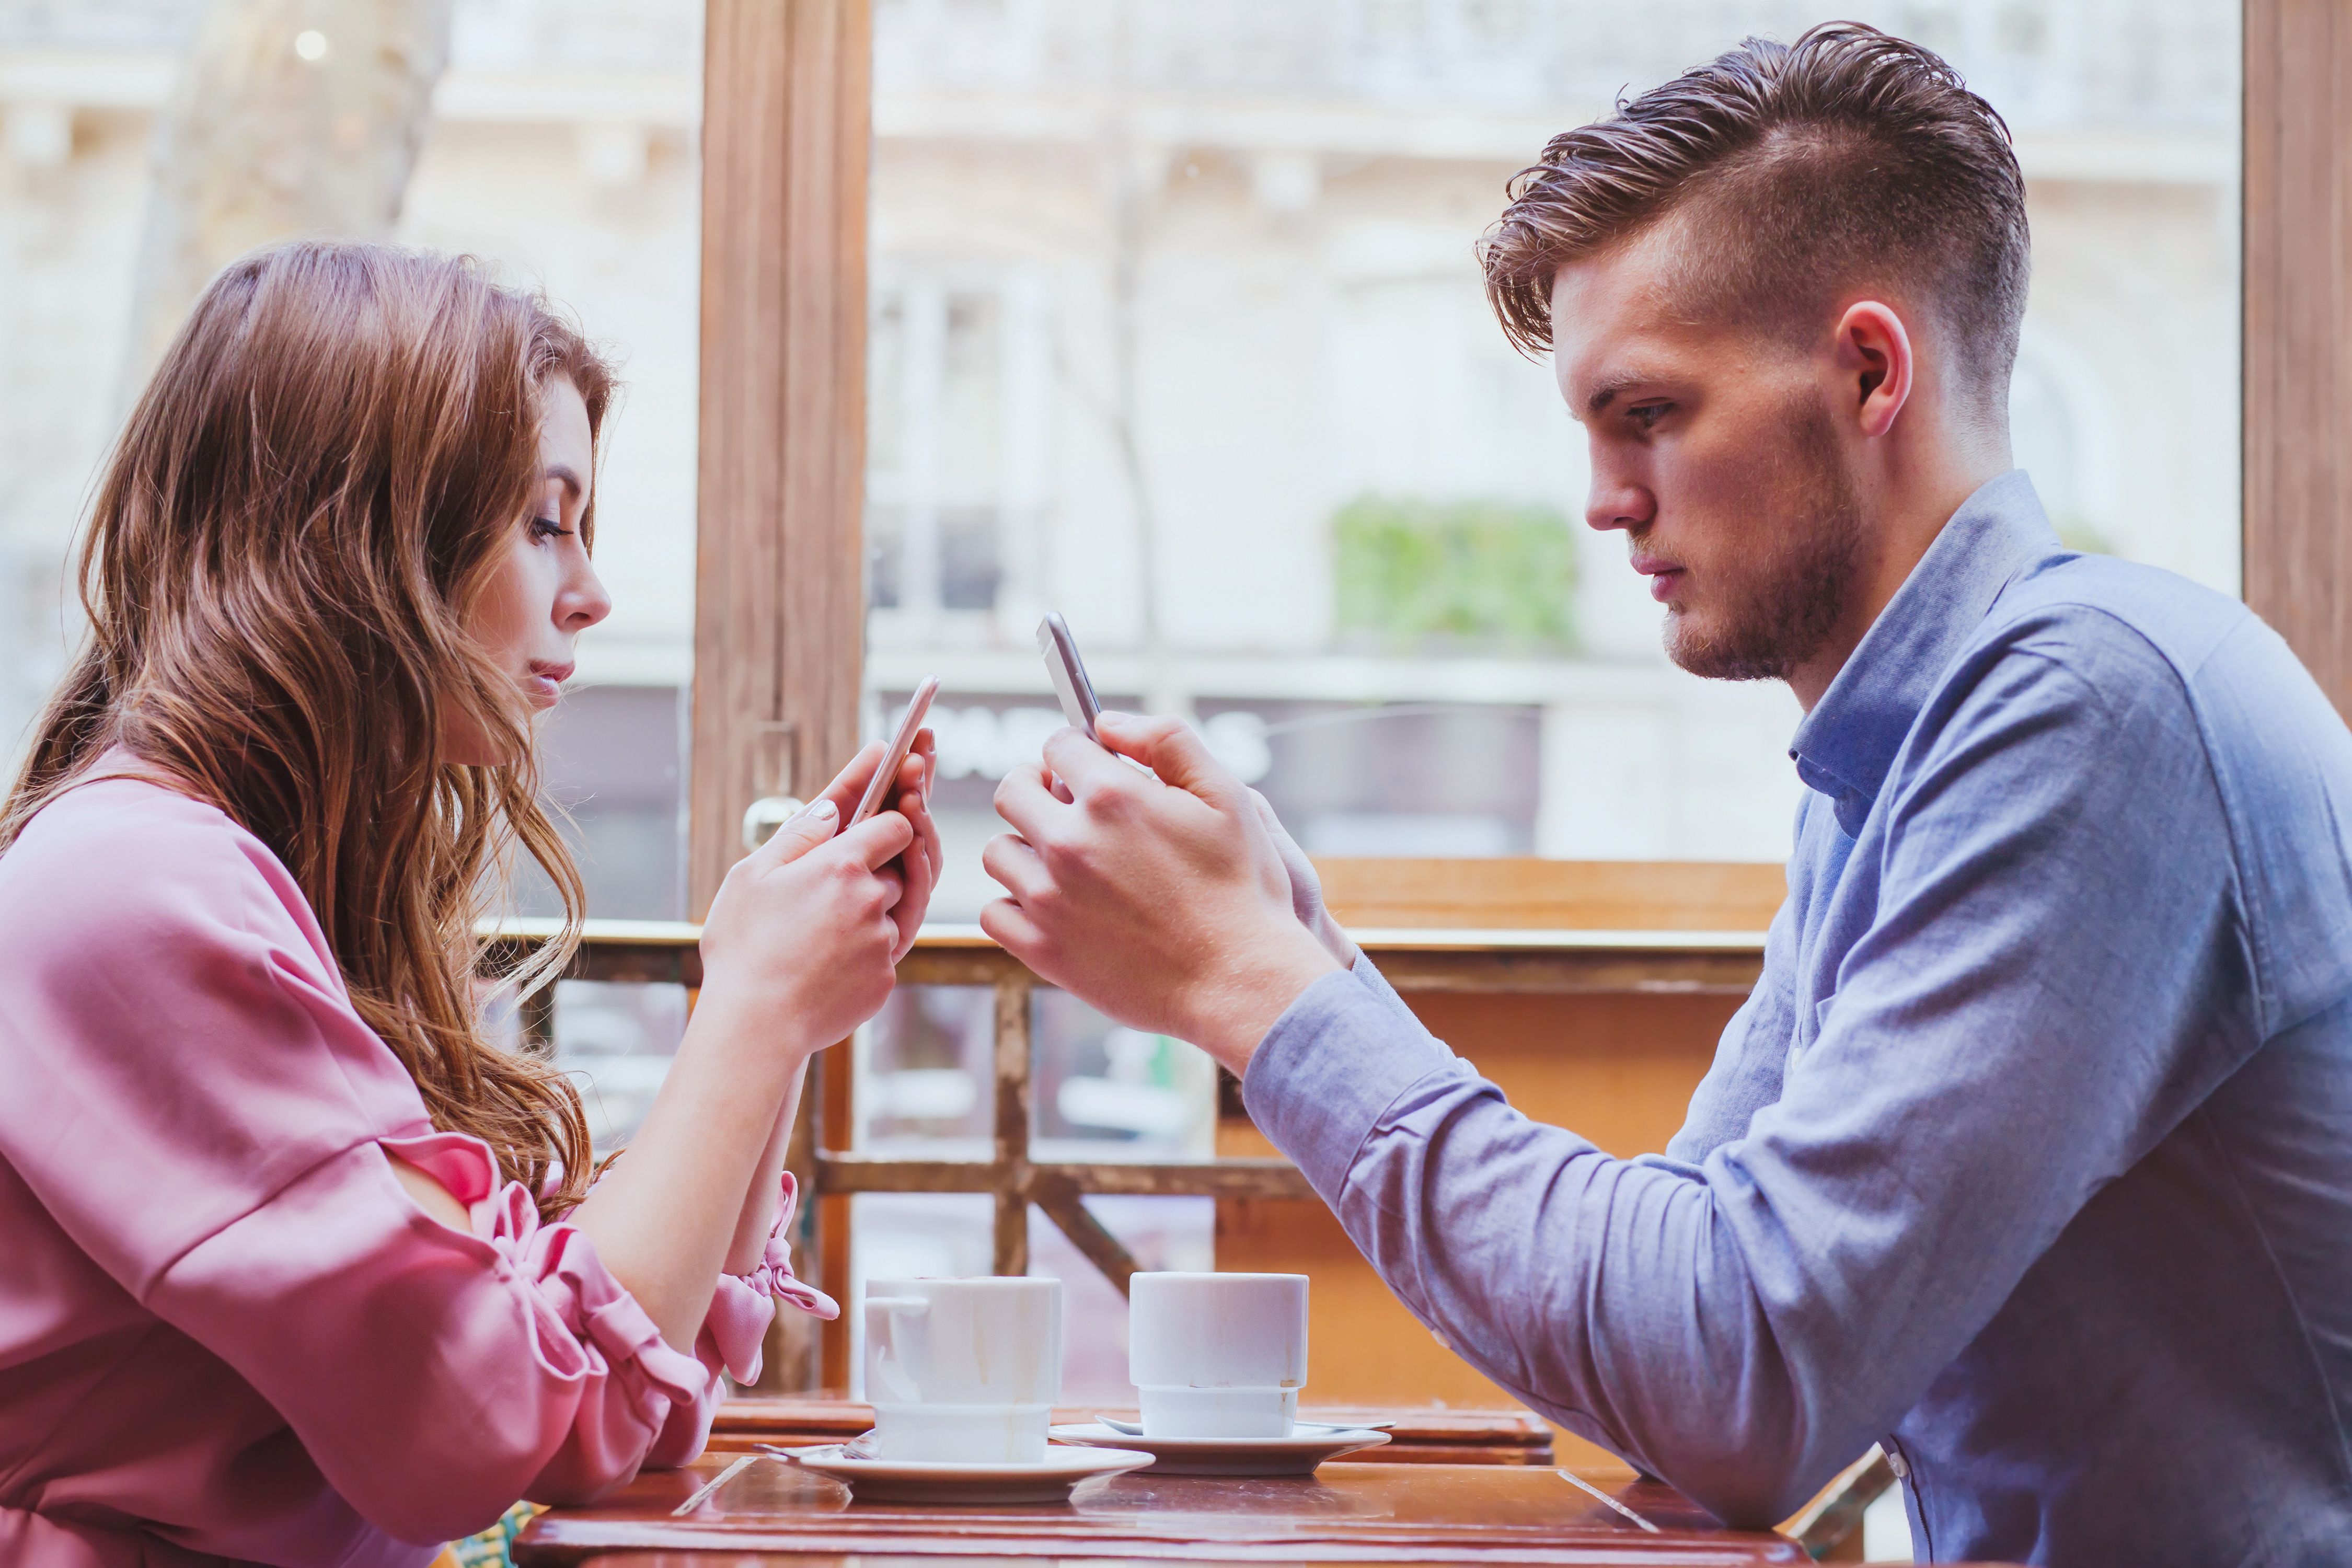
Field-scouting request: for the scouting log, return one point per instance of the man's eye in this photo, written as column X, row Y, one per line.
column 1647, row 415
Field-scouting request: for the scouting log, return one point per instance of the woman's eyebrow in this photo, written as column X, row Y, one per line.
column 570, row 477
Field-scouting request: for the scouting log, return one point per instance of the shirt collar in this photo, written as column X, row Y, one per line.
column 1846, row 745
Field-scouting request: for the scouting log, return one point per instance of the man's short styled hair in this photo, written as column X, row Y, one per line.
column 1848, row 158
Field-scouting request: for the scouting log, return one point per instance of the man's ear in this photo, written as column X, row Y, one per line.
column 1873, row 358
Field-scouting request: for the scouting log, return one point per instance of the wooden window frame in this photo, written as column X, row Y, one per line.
column 780, row 611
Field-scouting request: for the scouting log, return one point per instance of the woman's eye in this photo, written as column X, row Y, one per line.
column 543, row 528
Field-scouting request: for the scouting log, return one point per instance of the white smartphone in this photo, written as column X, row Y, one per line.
column 886, row 776
column 1070, row 673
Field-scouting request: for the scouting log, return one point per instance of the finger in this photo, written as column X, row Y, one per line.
column 927, row 746
column 878, row 840
column 914, row 901
column 921, row 761
column 1266, row 811
column 1010, row 928
column 1079, row 761
column 1306, row 887
column 1015, row 864
column 1169, row 749
column 814, row 823
column 926, row 848
column 894, row 883
column 849, row 785
column 1022, row 800
column 920, row 867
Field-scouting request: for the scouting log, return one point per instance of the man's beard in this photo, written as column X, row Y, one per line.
column 1792, row 590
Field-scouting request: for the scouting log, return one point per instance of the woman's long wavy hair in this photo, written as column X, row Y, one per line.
column 277, row 573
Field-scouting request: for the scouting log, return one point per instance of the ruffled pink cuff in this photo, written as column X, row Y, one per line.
column 561, row 1266
column 744, row 1304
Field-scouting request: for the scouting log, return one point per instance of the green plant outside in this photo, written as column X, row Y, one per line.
column 1464, row 574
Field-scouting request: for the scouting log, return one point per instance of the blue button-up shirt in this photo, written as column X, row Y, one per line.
column 2030, row 1155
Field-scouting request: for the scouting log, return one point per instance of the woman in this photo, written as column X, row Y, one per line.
column 300, row 1268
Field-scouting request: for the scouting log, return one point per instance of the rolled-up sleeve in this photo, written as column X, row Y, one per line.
column 2027, row 1013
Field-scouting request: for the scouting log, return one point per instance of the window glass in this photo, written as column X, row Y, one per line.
column 1179, row 331
column 560, row 146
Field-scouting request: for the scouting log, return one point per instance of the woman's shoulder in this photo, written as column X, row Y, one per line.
column 125, row 862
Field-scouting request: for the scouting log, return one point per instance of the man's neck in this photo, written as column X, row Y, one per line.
column 1895, row 539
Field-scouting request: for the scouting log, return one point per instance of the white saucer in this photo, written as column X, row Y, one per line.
column 895, row 1480
column 1296, row 1455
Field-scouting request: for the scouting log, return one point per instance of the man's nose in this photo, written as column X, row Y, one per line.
column 1615, row 502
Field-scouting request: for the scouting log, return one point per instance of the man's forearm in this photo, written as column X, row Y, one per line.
column 1493, row 1230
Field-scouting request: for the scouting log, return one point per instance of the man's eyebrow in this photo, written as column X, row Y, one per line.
column 570, row 477
column 1606, row 393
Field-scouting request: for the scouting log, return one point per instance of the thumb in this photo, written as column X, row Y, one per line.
column 1170, row 749
column 799, row 834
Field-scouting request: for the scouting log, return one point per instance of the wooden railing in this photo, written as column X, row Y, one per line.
column 1416, row 960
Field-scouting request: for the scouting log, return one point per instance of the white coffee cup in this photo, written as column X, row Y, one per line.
column 1217, row 1355
column 963, row 1370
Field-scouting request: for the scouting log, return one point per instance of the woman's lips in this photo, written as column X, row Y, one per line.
column 545, row 683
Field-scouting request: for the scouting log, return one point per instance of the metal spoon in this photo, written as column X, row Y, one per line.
column 1135, row 1428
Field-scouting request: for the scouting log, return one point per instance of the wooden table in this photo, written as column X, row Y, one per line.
column 1429, row 1435
column 772, row 1511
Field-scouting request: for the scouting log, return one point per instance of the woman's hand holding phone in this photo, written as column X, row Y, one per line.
column 801, row 947
column 808, row 928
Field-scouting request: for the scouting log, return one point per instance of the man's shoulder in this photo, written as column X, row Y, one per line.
column 2159, row 679
column 2097, row 616
column 2147, row 640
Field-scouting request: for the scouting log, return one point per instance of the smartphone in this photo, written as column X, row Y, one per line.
column 886, row 777
column 1070, row 673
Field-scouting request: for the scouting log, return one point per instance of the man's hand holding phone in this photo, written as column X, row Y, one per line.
column 1158, row 898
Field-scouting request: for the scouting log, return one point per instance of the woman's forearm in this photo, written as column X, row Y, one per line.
column 761, row 1202
column 664, row 1219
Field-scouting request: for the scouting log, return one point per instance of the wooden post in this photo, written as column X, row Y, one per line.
column 1010, row 1253
column 780, row 596
column 2298, row 330
column 780, row 603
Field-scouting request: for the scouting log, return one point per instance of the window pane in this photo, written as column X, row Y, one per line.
column 926, row 1068
column 561, row 149
column 1179, row 331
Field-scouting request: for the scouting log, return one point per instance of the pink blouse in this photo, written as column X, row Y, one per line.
column 225, row 1331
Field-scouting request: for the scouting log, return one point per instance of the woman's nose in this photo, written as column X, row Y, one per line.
column 584, row 601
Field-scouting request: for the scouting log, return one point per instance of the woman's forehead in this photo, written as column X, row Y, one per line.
column 564, row 440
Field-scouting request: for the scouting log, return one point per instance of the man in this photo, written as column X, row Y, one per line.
column 2030, row 1156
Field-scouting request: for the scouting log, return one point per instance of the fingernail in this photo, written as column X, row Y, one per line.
column 823, row 811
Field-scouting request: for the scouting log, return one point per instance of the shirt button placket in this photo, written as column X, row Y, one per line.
column 1922, row 1548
